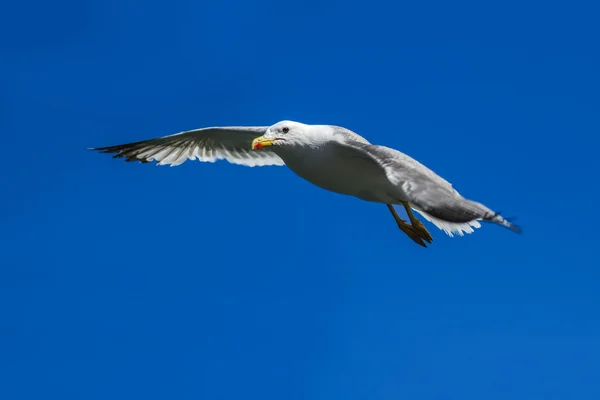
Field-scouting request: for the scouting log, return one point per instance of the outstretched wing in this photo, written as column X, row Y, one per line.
column 206, row 144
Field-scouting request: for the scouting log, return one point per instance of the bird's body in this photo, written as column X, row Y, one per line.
column 325, row 166
column 333, row 158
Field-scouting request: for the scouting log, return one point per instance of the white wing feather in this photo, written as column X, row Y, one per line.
column 232, row 144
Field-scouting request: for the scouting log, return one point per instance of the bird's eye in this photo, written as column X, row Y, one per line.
column 285, row 129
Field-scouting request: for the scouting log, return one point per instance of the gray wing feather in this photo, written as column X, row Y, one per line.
column 206, row 144
column 423, row 188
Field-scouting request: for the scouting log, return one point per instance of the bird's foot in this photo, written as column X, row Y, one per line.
column 413, row 233
column 424, row 233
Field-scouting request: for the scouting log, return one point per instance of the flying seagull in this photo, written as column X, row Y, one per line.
column 333, row 158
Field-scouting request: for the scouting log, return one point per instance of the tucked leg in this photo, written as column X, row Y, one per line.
column 410, row 231
column 418, row 225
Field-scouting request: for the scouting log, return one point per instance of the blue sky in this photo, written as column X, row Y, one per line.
column 122, row 280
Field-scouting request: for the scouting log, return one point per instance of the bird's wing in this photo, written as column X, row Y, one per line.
column 206, row 144
column 428, row 193
column 399, row 167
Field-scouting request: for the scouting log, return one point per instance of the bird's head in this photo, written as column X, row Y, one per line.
column 283, row 133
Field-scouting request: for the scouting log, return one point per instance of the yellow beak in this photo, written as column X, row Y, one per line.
column 260, row 142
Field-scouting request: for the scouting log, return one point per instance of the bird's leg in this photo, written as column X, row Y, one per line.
column 410, row 231
column 418, row 225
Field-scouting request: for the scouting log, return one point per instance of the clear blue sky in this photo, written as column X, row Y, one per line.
column 215, row 281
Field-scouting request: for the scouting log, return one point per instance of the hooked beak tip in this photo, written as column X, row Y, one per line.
column 261, row 142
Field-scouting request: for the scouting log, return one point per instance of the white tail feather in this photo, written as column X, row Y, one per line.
column 451, row 228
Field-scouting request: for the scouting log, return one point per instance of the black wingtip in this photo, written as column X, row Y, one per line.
column 99, row 149
column 505, row 222
column 117, row 152
column 513, row 227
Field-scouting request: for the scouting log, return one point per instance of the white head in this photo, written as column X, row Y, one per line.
column 286, row 133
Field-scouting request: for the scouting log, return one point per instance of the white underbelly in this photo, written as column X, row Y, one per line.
column 358, row 178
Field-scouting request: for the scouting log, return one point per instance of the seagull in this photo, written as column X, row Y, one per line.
column 333, row 158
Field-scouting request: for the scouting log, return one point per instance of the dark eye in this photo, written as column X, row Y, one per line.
column 285, row 129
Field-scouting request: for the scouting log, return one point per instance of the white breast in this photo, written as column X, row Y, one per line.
column 325, row 168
